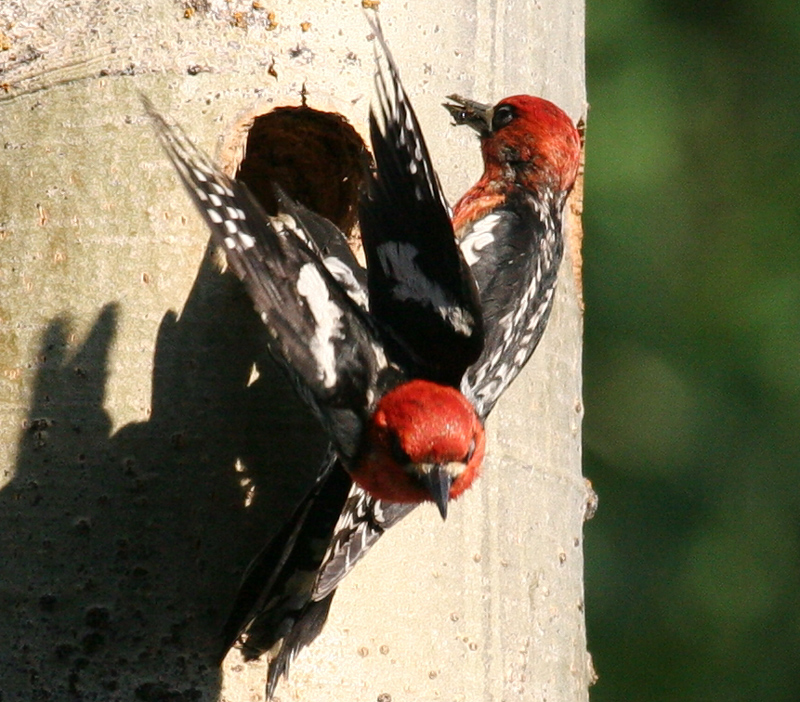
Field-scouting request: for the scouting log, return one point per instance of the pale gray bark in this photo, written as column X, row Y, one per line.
column 123, row 517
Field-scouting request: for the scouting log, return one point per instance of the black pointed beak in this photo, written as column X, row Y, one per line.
column 438, row 481
column 474, row 114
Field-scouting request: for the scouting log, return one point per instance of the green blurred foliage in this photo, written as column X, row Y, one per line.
column 692, row 370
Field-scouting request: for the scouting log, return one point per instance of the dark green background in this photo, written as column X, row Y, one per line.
column 692, row 371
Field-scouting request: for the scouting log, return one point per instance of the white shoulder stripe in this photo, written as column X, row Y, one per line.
column 479, row 237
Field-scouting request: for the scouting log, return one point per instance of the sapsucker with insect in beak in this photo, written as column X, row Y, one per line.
column 510, row 229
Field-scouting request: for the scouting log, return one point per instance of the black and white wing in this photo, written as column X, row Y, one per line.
column 275, row 602
column 514, row 253
column 419, row 284
column 322, row 336
column 285, row 595
column 362, row 521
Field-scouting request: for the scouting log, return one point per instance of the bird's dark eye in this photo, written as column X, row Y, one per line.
column 503, row 115
column 398, row 453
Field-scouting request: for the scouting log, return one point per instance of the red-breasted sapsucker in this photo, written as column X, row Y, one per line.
column 510, row 229
column 403, row 361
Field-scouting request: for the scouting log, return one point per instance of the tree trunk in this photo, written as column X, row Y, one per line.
column 145, row 461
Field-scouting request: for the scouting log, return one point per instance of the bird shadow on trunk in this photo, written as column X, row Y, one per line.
column 121, row 551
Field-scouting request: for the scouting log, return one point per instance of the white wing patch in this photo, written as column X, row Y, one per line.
column 328, row 318
column 398, row 259
column 481, row 236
